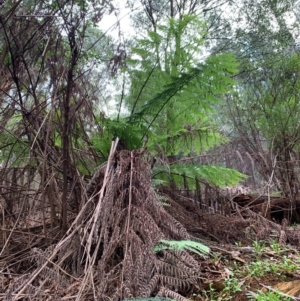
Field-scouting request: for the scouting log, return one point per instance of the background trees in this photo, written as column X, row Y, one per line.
column 265, row 113
column 47, row 99
column 262, row 112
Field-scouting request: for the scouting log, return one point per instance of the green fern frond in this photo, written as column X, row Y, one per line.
column 215, row 175
column 157, row 182
column 129, row 134
column 169, row 81
column 189, row 245
column 188, row 140
column 206, row 81
column 162, row 200
column 187, row 174
column 140, row 51
column 155, row 37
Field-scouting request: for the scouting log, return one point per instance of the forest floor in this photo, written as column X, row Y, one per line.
column 263, row 271
column 238, row 268
column 253, row 256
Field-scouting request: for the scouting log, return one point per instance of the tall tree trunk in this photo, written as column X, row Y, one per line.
column 66, row 128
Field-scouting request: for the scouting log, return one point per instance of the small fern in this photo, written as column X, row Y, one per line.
column 188, row 245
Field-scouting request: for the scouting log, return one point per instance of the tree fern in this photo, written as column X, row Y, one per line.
column 174, row 89
column 191, row 93
column 170, row 98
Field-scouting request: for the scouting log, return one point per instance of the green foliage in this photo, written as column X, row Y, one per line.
column 128, row 134
column 231, row 286
column 266, row 103
column 288, row 265
column 268, row 296
column 259, row 246
column 211, row 294
column 191, row 139
column 188, row 174
column 13, row 150
column 173, row 89
column 278, row 100
column 256, row 268
column 260, row 267
column 264, row 113
column 189, row 95
column 189, row 245
column 97, row 45
column 275, row 246
column 171, row 95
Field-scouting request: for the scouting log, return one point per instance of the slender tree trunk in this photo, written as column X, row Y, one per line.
column 66, row 129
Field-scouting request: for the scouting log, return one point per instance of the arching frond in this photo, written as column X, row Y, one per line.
column 215, row 175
